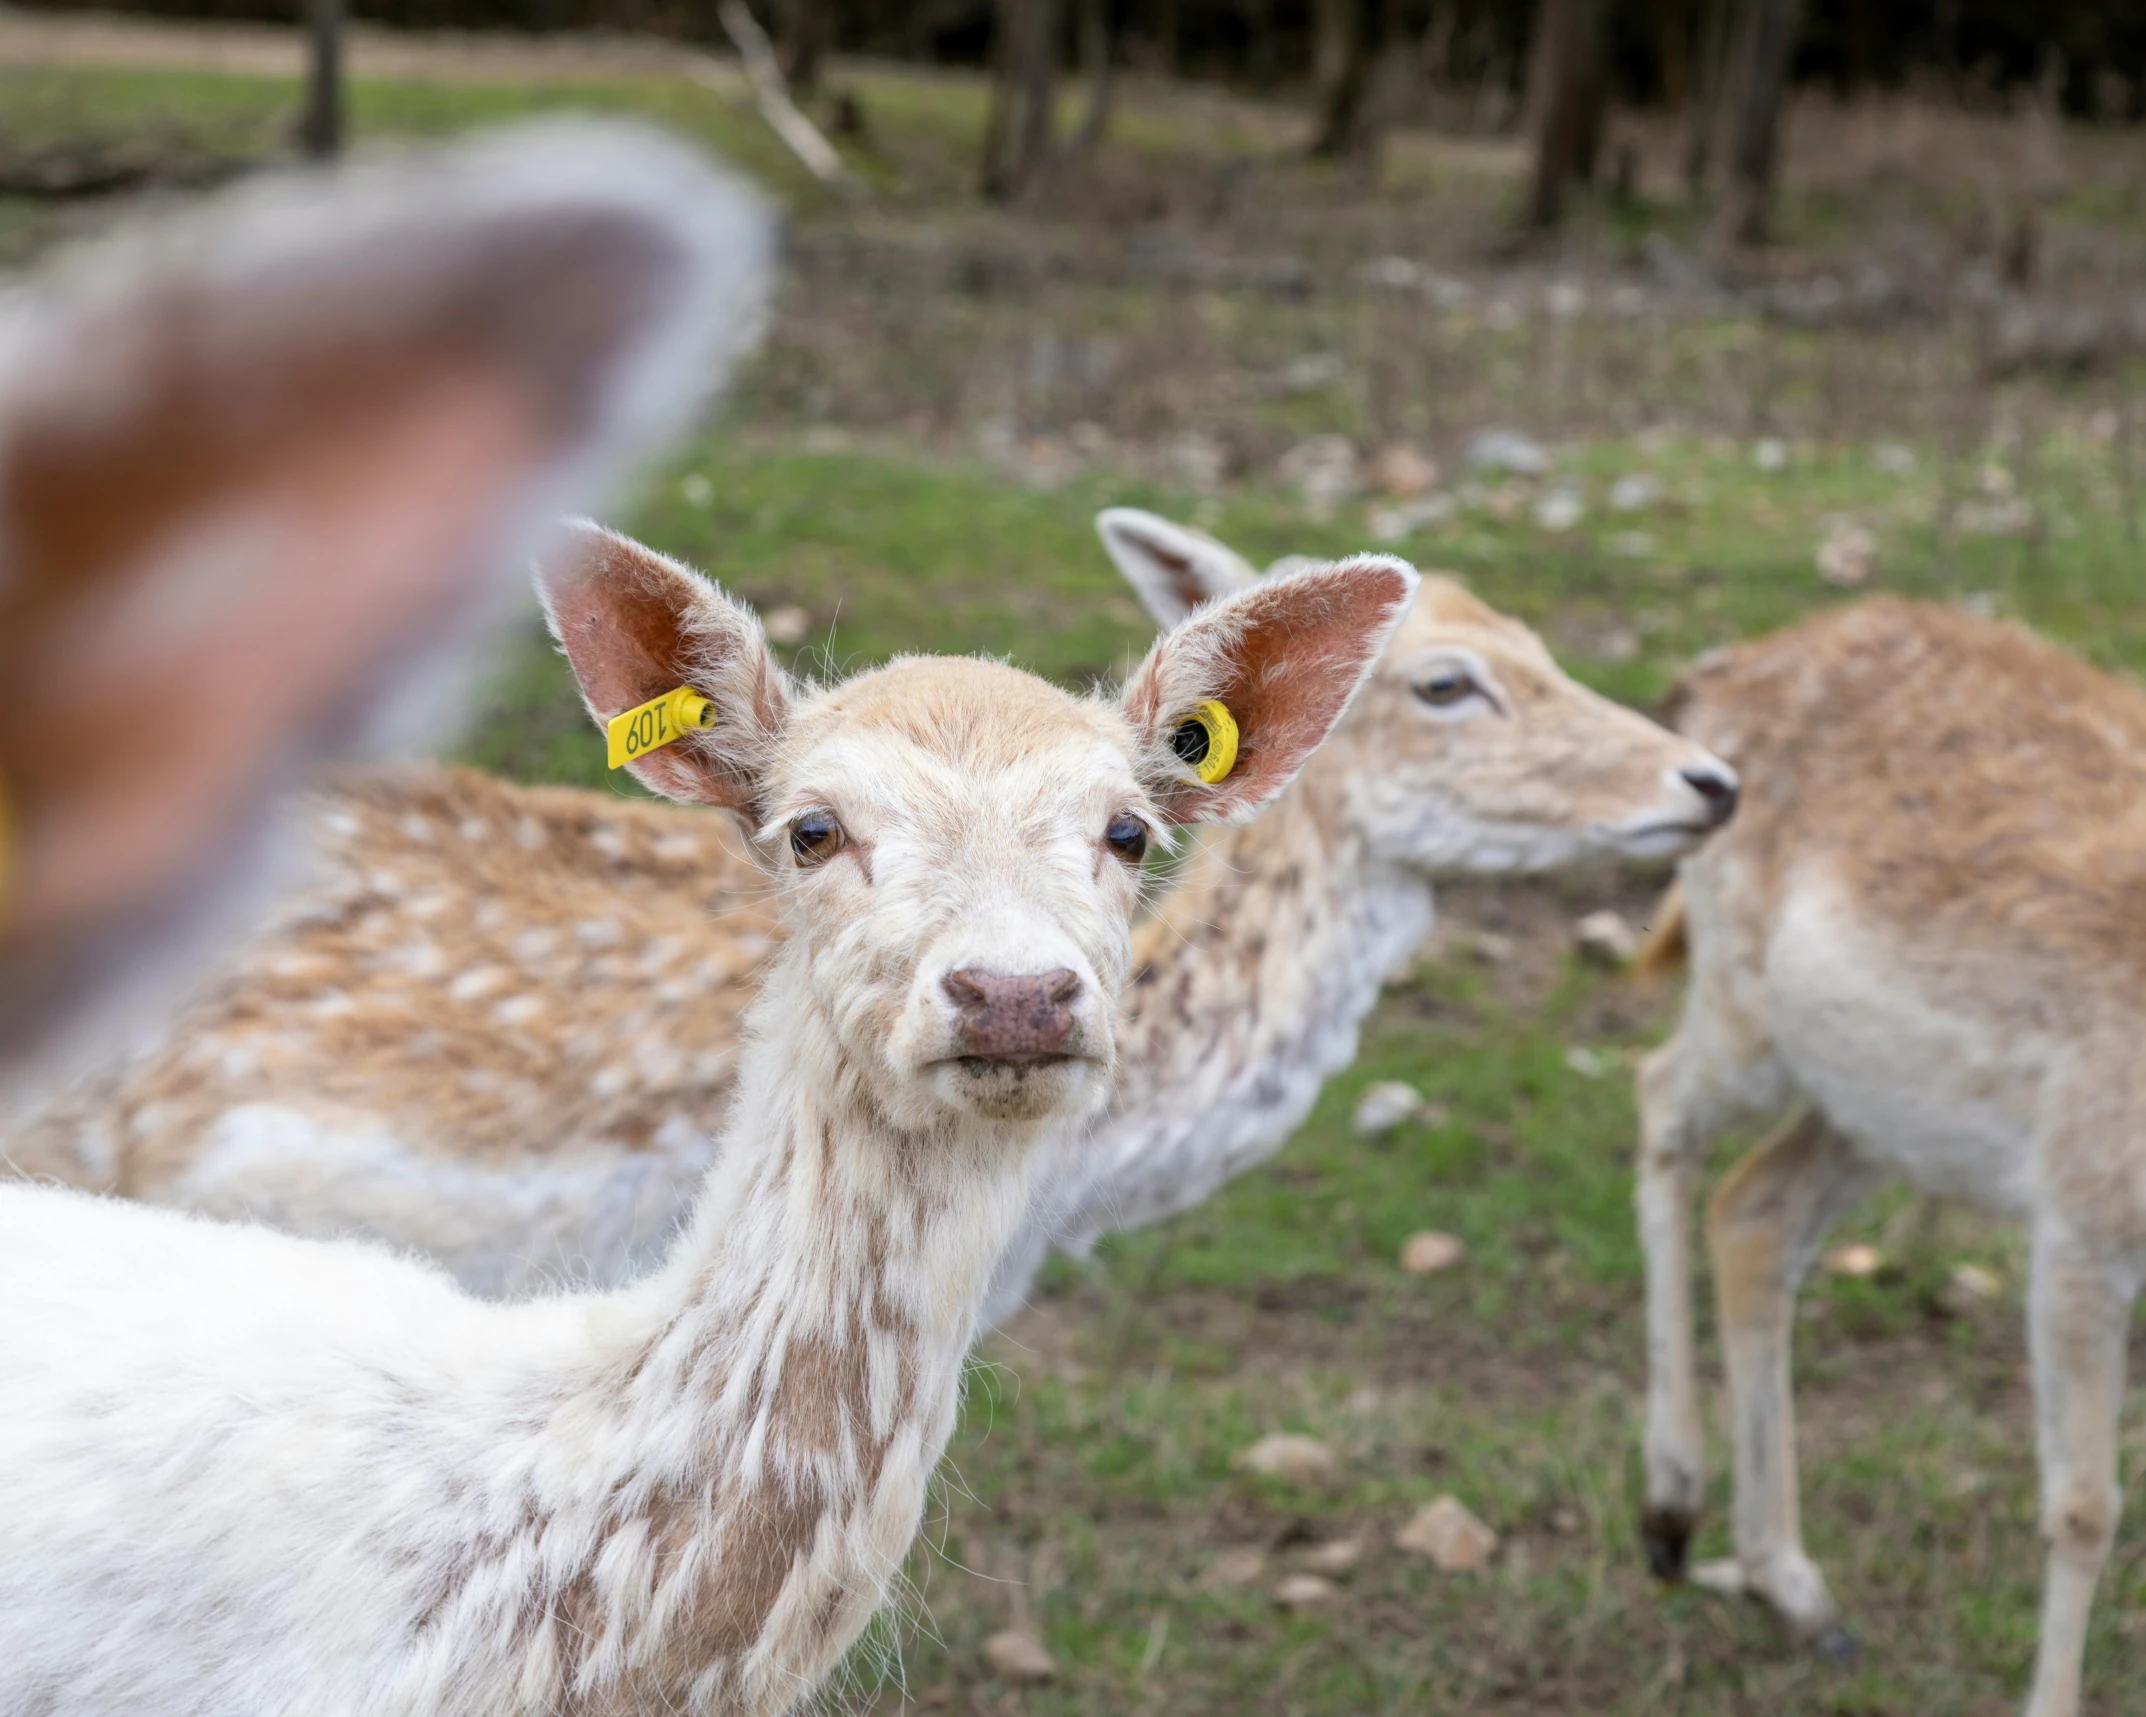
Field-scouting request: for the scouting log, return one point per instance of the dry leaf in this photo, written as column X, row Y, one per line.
column 1423, row 1253
column 1019, row 1657
column 1450, row 1534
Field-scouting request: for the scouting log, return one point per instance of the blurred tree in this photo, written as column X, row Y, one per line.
column 1567, row 91
column 1766, row 45
column 320, row 126
column 1024, row 78
column 801, row 31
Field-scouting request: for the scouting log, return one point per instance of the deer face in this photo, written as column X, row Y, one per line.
column 957, row 844
column 1470, row 750
column 961, row 846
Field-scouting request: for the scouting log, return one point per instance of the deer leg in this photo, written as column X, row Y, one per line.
column 1763, row 1230
column 1669, row 1143
column 2077, row 1309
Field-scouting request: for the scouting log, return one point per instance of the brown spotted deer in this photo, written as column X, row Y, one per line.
column 336, row 1482
column 1924, row 938
column 501, row 1028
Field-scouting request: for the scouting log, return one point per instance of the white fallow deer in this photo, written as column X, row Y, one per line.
column 1925, row 938
column 242, row 1471
column 500, row 1027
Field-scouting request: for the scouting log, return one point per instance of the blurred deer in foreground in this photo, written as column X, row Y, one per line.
column 1926, row 935
column 501, row 1026
column 260, row 469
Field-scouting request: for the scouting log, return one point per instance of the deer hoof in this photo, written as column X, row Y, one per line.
column 1835, row 1644
column 1666, row 1532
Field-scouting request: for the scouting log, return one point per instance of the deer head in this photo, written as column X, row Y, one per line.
column 1470, row 748
column 957, row 845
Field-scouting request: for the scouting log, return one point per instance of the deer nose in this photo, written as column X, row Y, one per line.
column 1009, row 1017
column 1717, row 787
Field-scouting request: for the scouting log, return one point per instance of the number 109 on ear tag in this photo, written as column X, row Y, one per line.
column 655, row 723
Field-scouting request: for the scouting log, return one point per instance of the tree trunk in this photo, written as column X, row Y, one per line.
column 1765, row 50
column 1263, row 57
column 1709, row 76
column 801, row 31
column 1565, row 99
column 1341, row 71
column 1024, row 70
column 320, row 128
column 1095, row 62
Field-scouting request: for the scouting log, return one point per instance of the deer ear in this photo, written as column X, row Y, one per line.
column 263, row 468
column 1172, row 570
column 1284, row 660
column 636, row 625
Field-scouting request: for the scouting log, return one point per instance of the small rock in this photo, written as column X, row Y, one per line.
column 1605, row 938
column 1588, row 1063
column 1335, row 1556
column 1632, row 545
column 1289, row 1457
column 1450, row 1534
column 786, row 625
column 1972, row 1282
column 1391, row 524
column 1847, row 555
column 1493, row 949
column 1402, row 472
column 1856, row 1258
column 1560, row 510
column 1566, row 1521
column 1427, row 1253
column 1769, row 453
column 1508, row 450
column 1629, row 494
column 1305, row 1592
column 1238, row 1567
column 1197, row 460
column 696, row 490
column 1618, row 644
column 1385, row 1106
column 1324, row 470
column 1894, row 459
column 1019, row 1657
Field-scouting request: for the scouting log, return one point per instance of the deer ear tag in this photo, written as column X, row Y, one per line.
column 1207, row 739
column 655, row 723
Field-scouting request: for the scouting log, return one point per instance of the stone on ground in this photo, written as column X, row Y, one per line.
column 1856, row 1258
column 1605, row 938
column 1239, row 1567
column 1403, row 472
column 1287, row 1456
column 1385, row 1106
column 1335, row 1556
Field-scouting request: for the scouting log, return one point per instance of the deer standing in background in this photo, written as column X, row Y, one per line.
column 501, row 1025
column 1926, row 936
column 338, row 1483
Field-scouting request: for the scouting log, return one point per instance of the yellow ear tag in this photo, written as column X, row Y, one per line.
column 1207, row 739
column 655, row 723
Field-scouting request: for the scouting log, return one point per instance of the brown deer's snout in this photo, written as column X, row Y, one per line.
column 1013, row 1018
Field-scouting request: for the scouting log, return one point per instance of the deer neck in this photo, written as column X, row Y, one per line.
column 800, row 1375
column 1250, row 984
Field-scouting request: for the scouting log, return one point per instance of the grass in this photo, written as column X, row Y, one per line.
column 1091, row 1488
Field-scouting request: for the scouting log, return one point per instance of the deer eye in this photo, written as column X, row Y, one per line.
column 1445, row 688
column 816, row 837
column 1128, row 838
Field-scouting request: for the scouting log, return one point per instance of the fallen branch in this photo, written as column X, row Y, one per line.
column 776, row 107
